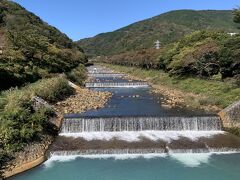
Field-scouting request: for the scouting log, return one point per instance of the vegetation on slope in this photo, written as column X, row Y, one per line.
column 32, row 55
column 22, row 124
column 77, row 75
column 32, row 49
column 167, row 28
column 202, row 54
column 147, row 58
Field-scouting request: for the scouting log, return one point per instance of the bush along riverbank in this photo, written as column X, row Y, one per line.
column 30, row 118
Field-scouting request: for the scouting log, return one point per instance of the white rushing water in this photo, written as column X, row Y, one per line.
column 56, row 158
column 187, row 159
column 141, row 124
column 116, row 85
column 112, row 75
column 136, row 136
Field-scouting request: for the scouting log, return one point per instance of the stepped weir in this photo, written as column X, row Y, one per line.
column 116, row 85
column 112, row 75
column 141, row 124
column 107, row 151
column 149, row 135
column 138, row 151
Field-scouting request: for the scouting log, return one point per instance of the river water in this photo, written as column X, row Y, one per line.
column 136, row 137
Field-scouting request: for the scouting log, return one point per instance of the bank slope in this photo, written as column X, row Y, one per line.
column 31, row 49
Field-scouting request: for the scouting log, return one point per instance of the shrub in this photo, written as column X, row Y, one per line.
column 229, row 57
column 53, row 89
column 78, row 74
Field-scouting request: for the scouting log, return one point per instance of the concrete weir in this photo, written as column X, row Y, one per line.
column 222, row 142
column 104, row 135
column 117, row 85
column 77, row 125
column 102, row 75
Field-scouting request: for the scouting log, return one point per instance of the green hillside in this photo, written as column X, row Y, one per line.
column 167, row 28
column 30, row 49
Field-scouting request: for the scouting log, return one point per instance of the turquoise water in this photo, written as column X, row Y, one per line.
column 175, row 167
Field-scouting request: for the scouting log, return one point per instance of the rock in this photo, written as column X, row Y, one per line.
column 166, row 106
column 38, row 103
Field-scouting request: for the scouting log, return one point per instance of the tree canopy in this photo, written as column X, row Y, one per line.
column 31, row 48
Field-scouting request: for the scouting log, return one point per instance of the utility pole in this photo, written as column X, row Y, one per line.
column 157, row 44
column 1, row 50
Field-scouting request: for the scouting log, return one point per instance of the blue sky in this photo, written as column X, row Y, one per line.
column 85, row 18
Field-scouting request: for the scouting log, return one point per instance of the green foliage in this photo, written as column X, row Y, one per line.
column 195, row 54
column 77, row 74
column 203, row 54
column 167, row 28
column 142, row 58
column 52, row 90
column 4, row 157
column 20, row 124
column 236, row 15
column 229, row 57
column 32, row 49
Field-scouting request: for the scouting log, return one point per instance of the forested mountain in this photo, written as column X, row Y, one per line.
column 167, row 27
column 31, row 49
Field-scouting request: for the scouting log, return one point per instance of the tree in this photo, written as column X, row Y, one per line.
column 236, row 14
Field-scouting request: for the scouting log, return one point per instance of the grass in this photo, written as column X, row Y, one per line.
column 213, row 92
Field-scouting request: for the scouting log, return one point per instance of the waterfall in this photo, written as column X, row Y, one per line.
column 107, row 151
column 113, row 85
column 140, row 151
column 98, row 69
column 204, row 150
column 113, row 124
column 105, row 75
column 197, row 150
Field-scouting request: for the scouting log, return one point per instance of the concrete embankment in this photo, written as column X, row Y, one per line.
column 25, row 167
column 231, row 118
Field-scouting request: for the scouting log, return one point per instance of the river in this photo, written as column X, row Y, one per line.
column 137, row 137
